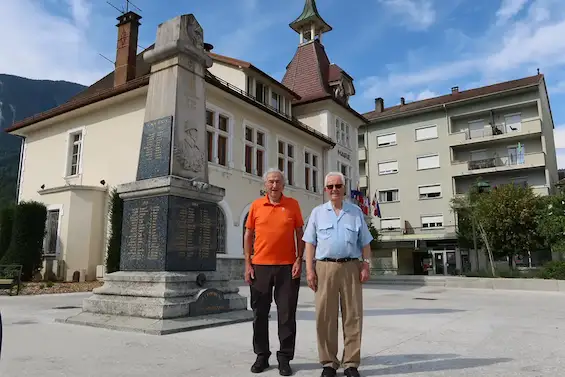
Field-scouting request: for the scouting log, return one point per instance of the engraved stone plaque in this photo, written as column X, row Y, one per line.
column 208, row 301
column 144, row 234
column 193, row 235
column 155, row 151
column 169, row 233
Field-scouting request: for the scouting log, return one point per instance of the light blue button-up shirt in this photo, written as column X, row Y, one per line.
column 337, row 236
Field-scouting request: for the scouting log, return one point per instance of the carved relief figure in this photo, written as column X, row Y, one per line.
column 195, row 33
column 187, row 151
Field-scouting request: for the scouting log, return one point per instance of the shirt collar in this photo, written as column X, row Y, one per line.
column 328, row 206
column 266, row 200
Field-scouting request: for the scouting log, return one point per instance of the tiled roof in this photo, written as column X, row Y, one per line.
column 453, row 97
column 104, row 89
column 308, row 72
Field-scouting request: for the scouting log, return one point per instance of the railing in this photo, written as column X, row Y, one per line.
column 485, row 132
column 491, row 132
column 494, row 162
column 419, row 230
column 290, row 118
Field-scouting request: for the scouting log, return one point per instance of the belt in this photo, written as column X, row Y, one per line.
column 338, row 260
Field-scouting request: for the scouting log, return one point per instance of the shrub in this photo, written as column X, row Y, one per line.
column 6, row 225
column 114, row 243
column 26, row 244
column 553, row 270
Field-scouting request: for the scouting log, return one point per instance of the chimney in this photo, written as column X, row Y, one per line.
column 379, row 105
column 455, row 90
column 402, row 101
column 126, row 51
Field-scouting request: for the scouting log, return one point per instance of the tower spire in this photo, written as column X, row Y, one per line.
column 310, row 24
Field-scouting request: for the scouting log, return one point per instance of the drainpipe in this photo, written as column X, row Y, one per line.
column 325, row 155
column 367, row 160
column 20, row 165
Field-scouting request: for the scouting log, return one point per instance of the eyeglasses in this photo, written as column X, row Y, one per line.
column 331, row 187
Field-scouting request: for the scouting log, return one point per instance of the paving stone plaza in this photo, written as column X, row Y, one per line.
column 408, row 331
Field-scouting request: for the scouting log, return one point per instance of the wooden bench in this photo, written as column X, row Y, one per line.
column 10, row 277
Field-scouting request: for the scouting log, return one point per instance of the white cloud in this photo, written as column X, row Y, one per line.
column 561, row 158
column 425, row 94
column 80, row 10
column 416, row 14
column 509, row 8
column 501, row 53
column 40, row 45
column 559, row 135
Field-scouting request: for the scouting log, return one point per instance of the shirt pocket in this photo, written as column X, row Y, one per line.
column 351, row 233
column 325, row 231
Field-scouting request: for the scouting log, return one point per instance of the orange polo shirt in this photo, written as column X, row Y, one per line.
column 274, row 226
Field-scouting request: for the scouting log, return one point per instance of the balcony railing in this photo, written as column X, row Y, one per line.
column 493, row 162
column 496, row 163
column 267, row 106
column 531, row 126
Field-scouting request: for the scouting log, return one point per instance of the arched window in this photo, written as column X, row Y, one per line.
column 221, row 231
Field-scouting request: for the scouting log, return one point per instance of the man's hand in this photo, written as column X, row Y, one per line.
column 249, row 273
column 297, row 268
column 312, row 279
column 365, row 272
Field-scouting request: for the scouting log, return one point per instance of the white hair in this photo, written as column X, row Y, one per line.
column 334, row 174
column 271, row 171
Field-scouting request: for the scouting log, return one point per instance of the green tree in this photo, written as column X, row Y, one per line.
column 114, row 243
column 509, row 217
column 6, row 225
column 464, row 207
column 551, row 222
column 26, row 244
column 376, row 235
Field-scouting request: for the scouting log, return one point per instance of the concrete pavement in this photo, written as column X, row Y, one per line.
column 408, row 331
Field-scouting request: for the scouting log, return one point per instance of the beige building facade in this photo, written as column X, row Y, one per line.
column 415, row 157
column 75, row 154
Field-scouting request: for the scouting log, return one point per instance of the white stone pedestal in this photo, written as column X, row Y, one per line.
column 160, row 303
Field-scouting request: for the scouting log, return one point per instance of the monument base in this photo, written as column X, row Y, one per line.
column 161, row 303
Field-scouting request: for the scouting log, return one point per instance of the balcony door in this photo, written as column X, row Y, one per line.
column 516, row 154
column 476, row 129
column 513, row 123
column 479, row 155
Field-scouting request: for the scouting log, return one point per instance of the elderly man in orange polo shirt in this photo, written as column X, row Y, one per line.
column 276, row 222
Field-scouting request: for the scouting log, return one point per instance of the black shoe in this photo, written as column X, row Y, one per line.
column 259, row 365
column 284, row 368
column 351, row 372
column 328, row 372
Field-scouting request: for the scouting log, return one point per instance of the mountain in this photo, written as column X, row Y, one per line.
column 20, row 98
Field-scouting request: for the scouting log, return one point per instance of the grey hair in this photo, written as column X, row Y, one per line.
column 273, row 170
column 334, row 174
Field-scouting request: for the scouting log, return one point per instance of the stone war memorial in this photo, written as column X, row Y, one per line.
column 168, row 281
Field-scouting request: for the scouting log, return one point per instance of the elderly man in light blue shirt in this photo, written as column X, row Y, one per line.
column 338, row 238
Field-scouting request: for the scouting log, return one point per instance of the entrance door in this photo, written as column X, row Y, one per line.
column 439, row 263
column 451, row 263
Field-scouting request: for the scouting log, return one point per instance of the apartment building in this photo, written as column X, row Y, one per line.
column 414, row 157
column 302, row 125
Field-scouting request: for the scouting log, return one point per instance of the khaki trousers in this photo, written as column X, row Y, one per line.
column 339, row 285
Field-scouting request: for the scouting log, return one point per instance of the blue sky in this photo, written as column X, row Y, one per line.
column 392, row 48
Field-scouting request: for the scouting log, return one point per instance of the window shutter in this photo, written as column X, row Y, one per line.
column 428, row 162
column 386, row 140
column 426, row 133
